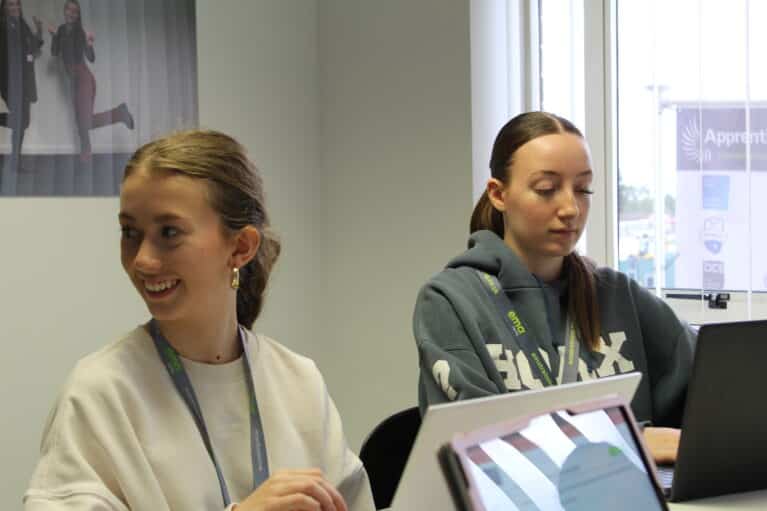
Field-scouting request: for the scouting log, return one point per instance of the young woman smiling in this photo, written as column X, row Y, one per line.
column 74, row 45
column 192, row 410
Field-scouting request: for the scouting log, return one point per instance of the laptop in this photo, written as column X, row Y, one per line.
column 723, row 447
column 422, row 486
column 589, row 456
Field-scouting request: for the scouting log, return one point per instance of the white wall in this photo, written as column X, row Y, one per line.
column 258, row 78
column 396, row 145
column 62, row 295
column 357, row 112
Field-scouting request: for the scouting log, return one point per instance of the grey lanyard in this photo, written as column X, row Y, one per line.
column 524, row 339
column 181, row 380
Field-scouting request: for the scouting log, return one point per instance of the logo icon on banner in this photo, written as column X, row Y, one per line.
column 717, row 138
column 713, row 234
column 713, row 246
column 692, row 142
column 716, row 192
column 713, row 275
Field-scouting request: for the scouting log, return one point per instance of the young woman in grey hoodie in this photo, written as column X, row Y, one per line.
column 520, row 309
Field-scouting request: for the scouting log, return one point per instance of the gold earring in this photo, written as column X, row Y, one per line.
column 235, row 278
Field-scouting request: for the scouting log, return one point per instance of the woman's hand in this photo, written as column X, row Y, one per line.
column 89, row 38
column 38, row 24
column 294, row 490
column 663, row 444
column 51, row 30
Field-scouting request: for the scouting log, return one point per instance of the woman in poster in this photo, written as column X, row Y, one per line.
column 19, row 47
column 73, row 44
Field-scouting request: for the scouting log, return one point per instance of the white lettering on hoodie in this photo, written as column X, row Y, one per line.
column 517, row 373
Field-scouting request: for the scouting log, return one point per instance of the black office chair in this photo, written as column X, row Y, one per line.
column 385, row 451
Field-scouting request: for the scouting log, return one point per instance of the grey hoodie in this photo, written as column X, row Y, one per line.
column 465, row 352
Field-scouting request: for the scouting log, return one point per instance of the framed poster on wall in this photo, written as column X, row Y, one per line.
column 83, row 83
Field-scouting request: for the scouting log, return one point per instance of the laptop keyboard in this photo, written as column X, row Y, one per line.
column 666, row 476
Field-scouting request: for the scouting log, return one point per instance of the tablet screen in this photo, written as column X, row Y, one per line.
column 588, row 461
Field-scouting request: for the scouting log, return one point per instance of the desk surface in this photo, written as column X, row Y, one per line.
column 741, row 501
column 756, row 500
column 749, row 501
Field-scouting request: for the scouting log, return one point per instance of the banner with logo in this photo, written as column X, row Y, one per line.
column 715, row 149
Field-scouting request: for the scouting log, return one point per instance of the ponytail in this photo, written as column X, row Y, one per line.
column 254, row 277
column 583, row 306
column 486, row 217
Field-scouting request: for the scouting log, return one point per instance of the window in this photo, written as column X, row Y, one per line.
column 692, row 138
column 562, row 65
column 673, row 100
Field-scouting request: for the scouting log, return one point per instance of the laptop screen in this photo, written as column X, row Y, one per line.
column 588, row 461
